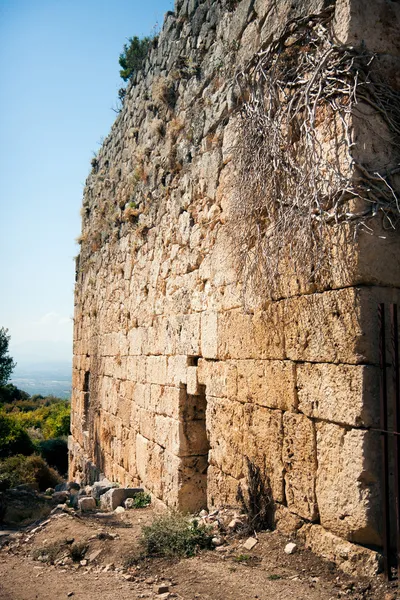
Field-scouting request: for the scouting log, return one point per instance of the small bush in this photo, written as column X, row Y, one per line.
column 174, row 534
column 32, row 470
column 141, row 500
column 55, row 453
column 133, row 55
column 78, row 551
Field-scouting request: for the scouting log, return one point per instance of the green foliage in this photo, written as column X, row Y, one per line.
column 133, row 55
column 242, row 558
column 174, row 534
column 57, row 422
column 13, row 437
column 50, row 421
column 55, row 453
column 141, row 500
column 32, row 470
column 6, row 362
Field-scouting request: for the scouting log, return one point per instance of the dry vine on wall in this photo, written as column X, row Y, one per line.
column 298, row 184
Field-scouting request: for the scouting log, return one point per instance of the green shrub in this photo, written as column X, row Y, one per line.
column 174, row 534
column 13, row 437
column 133, row 56
column 55, row 453
column 141, row 500
column 32, row 470
column 57, row 422
column 52, row 420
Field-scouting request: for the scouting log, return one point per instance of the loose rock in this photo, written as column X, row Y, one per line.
column 290, row 548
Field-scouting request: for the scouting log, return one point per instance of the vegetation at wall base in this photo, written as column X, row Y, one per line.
column 174, row 534
column 141, row 500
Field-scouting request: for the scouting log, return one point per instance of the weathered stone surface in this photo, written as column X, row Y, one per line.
column 300, row 465
column 116, row 497
column 286, row 521
column 181, row 373
column 268, row 383
column 351, row 558
column 86, row 504
column 339, row 393
column 348, row 484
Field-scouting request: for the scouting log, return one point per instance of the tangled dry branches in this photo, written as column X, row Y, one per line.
column 298, row 178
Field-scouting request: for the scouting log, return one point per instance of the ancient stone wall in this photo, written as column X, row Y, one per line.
column 177, row 380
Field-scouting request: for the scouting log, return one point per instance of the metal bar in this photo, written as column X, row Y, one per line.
column 384, row 440
column 396, row 398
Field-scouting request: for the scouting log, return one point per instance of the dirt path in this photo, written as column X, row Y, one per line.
column 111, row 571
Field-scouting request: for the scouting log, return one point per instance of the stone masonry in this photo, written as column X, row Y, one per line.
column 175, row 381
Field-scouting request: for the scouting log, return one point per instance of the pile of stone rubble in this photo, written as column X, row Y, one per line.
column 104, row 494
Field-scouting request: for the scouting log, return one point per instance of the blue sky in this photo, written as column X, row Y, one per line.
column 59, row 78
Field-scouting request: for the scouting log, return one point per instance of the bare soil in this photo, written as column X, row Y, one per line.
column 113, row 567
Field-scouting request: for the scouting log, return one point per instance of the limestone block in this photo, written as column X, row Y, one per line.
column 262, row 444
column 158, row 470
column 117, row 496
column 192, row 496
column 145, row 423
column 300, row 465
column 189, row 340
column 322, row 327
column 192, row 381
column 220, row 378
column 285, row 521
column 347, row 485
column 141, row 395
column 350, row 558
column 166, row 400
column 209, row 335
column 339, row 393
column 193, row 440
column 101, row 487
column 267, row 383
column 335, row 326
column 225, row 429
column 156, row 369
column 221, row 488
column 166, row 433
column 176, row 370
column 136, row 340
column 123, row 409
column 243, row 336
column 378, row 256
